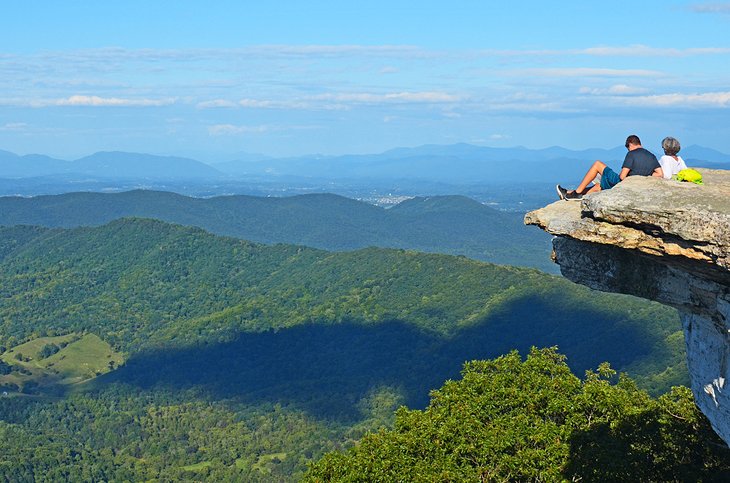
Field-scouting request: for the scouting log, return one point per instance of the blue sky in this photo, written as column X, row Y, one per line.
column 213, row 79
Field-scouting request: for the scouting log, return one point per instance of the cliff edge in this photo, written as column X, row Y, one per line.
column 666, row 241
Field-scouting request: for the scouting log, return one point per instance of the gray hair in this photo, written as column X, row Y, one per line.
column 670, row 146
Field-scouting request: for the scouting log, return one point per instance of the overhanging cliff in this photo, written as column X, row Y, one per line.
column 665, row 241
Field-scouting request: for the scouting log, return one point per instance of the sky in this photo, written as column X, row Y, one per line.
column 214, row 80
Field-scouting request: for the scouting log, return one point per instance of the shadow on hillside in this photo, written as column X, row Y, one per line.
column 326, row 369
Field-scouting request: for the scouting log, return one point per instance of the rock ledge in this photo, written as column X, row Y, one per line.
column 665, row 241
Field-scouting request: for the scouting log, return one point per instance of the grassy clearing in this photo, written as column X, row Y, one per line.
column 31, row 349
column 84, row 359
column 264, row 460
column 79, row 358
column 197, row 466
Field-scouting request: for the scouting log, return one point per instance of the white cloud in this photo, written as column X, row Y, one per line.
column 393, row 97
column 607, row 51
column 14, row 126
column 615, row 90
column 233, row 130
column 531, row 107
column 96, row 101
column 647, row 51
column 265, row 104
column 721, row 7
column 215, row 104
column 257, row 104
column 230, row 129
column 87, row 101
column 333, row 50
column 524, row 103
column 708, row 99
column 303, row 103
column 521, row 96
column 116, row 55
column 588, row 72
column 270, row 104
column 498, row 137
column 337, row 101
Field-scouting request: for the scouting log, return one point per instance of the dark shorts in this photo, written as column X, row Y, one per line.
column 609, row 179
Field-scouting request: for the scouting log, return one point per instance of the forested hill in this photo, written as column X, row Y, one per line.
column 140, row 283
column 235, row 361
column 443, row 224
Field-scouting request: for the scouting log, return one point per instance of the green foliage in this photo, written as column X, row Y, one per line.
column 120, row 434
column 533, row 420
column 48, row 350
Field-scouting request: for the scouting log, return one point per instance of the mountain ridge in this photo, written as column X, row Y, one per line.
column 448, row 224
column 105, row 165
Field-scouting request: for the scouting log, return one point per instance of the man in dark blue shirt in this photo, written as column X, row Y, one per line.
column 638, row 162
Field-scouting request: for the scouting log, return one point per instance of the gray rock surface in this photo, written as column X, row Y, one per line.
column 666, row 241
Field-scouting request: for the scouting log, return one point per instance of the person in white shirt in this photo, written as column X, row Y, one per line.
column 670, row 162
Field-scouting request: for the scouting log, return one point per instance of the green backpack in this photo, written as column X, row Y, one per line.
column 689, row 174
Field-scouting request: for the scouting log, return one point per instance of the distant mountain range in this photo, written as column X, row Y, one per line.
column 454, row 225
column 456, row 163
column 106, row 165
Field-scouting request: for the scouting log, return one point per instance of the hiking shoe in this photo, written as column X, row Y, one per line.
column 573, row 196
column 561, row 191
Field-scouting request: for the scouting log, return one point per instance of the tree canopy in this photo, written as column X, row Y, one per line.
column 533, row 420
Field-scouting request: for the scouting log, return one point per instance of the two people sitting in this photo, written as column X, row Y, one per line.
column 638, row 162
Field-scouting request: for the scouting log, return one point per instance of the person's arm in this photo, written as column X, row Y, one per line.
column 658, row 173
column 626, row 167
column 666, row 166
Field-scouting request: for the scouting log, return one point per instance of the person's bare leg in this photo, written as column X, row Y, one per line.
column 593, row 171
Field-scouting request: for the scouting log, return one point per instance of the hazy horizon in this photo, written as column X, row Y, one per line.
column 211, row 159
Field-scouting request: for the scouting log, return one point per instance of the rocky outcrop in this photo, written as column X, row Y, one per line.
column 665, row 241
